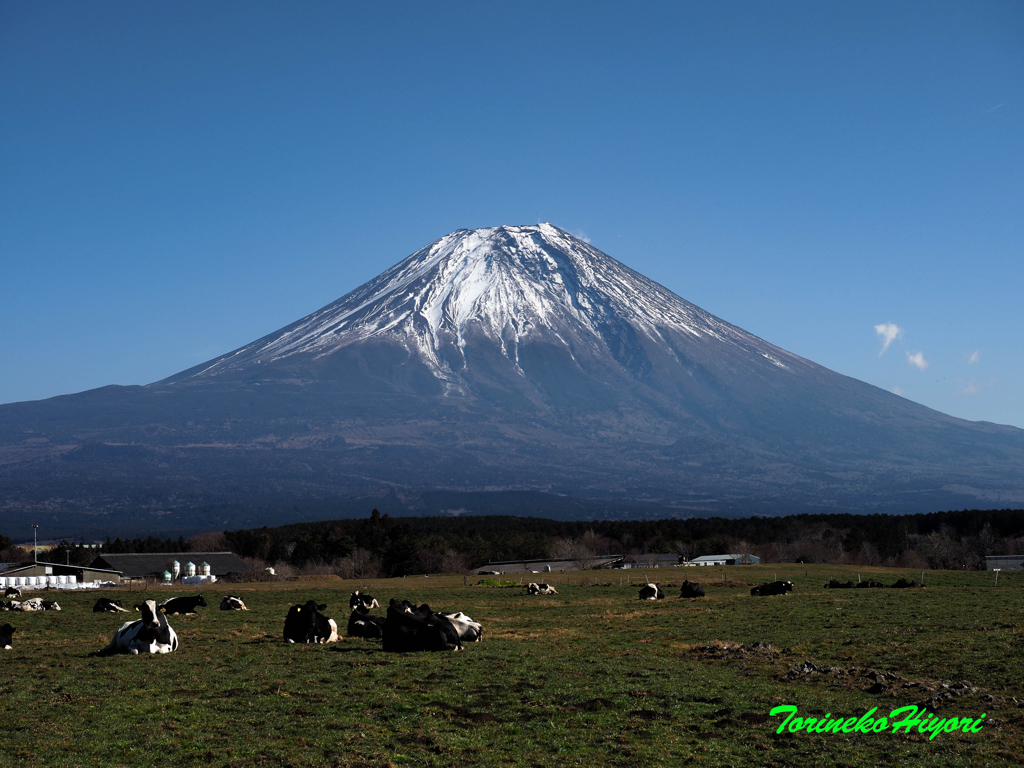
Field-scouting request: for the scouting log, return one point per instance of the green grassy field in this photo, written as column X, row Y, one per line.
column 590, row 677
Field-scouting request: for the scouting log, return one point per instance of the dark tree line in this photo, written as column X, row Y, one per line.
column 384, row 546
column 381, row 545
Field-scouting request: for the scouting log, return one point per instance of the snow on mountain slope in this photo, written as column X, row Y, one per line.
column 507, row 283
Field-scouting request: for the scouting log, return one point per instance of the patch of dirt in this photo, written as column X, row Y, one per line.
column 736, row 651
column 877, row 682
column 464, row 712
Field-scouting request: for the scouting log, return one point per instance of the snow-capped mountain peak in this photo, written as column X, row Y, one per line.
column 505, row 284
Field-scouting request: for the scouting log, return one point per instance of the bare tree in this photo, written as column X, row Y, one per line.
column 683, row 548
column 453, row 562
column 358, row 564
column 213, row 541
column 582, row 557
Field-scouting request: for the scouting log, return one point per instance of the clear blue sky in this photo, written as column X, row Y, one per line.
column 179, row 179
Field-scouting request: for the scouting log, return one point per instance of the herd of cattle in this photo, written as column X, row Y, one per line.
column 404, row 628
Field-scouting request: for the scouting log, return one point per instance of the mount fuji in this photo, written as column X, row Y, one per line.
column 513, row 369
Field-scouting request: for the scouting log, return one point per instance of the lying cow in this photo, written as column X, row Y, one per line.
column 651, row 592
column 418, row 629
column 870, row 584
column 306, row 624
column 37, row 604
column 540, row 589
column 362, row 624
column 369, row 602
column 691, row 589
column 469, row 631
column 232, row 603
column 173, row 606
column 6, row 637
column 836, row 584
column 905, row 584
column 149, row 634
column 772, row 588
column 9, row 606
column 12, row 592
column 106, row 605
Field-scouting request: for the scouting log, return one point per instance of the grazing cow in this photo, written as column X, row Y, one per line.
column 651, row 592
column 6, row 637
column 232, row 603
column 691, row 589
column 540, row 589
column 37, row 604
column 149, row 634
column 106, row 605
column 469, row 631
column 417, row 629
column 362, row 624
column 369, row 602
column 772, row 588
column 174, row 606
column 306, row 624
column 12, row 592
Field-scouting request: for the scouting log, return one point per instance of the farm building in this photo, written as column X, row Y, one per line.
column 154, row 564
column 550, row 566
column 651, row 561
column 1004, row 562
column 731, row 559
column 44, row 570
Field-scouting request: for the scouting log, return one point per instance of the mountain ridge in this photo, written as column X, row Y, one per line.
column 505, row 360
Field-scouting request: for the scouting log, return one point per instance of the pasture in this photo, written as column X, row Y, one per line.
column 589, row 677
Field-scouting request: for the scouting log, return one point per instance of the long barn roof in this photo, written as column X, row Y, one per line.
column 150, row 563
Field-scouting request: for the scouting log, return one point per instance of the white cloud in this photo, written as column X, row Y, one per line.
column 580, row 234
column 917, row 359
column 972, row 358
column 888, row 332
column 898, row 391
column 971, row 388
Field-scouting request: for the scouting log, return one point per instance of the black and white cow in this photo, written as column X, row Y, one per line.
column 369, row 602
column 9, row 606
column 772, row 588
column 691, row 589
column 540, row 589
column 362, row 624
column 12, row 592
column 307, row 624
column 38, row 604
column 106, row 605
column 469, row 631
column 174, row 606
column 6, row 637
column 651, row 592
column 408, row 630
column 149, row 634
column 232, row 603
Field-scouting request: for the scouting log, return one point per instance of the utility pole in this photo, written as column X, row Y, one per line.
column 35, row 543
